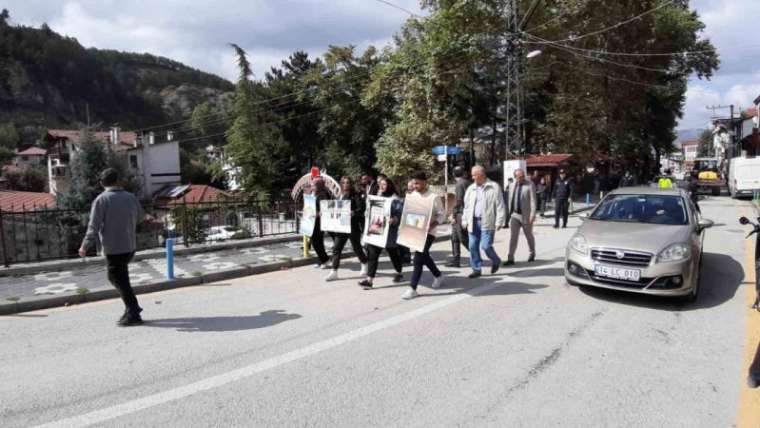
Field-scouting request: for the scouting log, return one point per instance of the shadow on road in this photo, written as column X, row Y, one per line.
column 721, row 276
column 219, row 324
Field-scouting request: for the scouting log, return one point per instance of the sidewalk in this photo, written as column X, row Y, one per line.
column 63, row 284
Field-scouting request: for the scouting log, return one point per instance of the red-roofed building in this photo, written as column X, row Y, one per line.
column 155, row 161
column 189, row 194
column 548, row 161
column 33, row 156
column 12, row 201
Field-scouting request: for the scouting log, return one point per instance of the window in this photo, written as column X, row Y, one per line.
column 133, row 161
column 24, row 158
column 651, row 209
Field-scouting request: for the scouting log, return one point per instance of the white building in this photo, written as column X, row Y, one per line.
column 155, row 161
column 31, row 157
column 231, row 172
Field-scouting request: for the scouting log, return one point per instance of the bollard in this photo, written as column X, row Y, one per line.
column 305, row 246
column 588, row 199
column 170, row 258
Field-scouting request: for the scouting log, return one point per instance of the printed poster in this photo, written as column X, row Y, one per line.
column 377, row 222
column 335, row 216
column 309, row 216
column 415, row 222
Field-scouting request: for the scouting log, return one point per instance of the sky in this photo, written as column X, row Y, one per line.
column 197, row 33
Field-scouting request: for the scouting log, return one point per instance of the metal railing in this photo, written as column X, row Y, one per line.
column 41, row 234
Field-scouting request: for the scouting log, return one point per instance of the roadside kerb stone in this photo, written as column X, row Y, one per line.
column 155, row 253
column 46, row 302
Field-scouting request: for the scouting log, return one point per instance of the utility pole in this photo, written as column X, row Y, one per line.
column 514, row 112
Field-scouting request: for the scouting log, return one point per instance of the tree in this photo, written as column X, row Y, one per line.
column 30, row 179
column 9, row 137
column 84, row 172
column 704, row 149
column 254, row 142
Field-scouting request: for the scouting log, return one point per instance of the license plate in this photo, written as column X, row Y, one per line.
column 618, row 273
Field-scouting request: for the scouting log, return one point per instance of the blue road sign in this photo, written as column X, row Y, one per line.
column 451, row 150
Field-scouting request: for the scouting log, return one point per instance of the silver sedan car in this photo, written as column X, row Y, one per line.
column 640, row 239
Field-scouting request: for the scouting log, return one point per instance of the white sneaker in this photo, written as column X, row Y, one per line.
column 409, row 294
column 437, row 282
column 332, row 276
column 364, row 270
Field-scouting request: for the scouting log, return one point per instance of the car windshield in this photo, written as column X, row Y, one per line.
column 651, row 209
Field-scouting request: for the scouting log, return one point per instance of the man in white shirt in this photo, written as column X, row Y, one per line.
column 438, row 216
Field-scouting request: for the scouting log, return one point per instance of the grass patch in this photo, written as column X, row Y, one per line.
column 13, row 299
column 82, row 291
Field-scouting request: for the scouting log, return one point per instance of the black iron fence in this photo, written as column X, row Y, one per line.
column 28, row 236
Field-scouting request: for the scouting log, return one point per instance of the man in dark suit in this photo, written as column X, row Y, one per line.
column 563, row 191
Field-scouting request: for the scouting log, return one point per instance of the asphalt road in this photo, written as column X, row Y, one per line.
column 520, row 348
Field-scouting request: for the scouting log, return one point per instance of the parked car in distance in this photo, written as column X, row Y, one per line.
column 223, row 233
column 640, row 239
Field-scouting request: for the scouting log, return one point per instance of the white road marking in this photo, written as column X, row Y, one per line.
column 139, row 278
column 217, row 381
column 220, row 266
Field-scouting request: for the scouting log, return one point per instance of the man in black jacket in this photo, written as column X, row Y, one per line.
column 459, row 236
column 563, row 191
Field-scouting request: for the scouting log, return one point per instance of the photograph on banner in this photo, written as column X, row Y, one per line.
column 335, row 216
column 415, row 222
column 377, row 223
column 309, row 216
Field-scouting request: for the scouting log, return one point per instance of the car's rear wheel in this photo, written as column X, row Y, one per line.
column 716, row 191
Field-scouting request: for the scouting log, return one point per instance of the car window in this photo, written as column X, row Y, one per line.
column 650, row 209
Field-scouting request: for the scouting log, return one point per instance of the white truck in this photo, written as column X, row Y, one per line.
column 743, row 176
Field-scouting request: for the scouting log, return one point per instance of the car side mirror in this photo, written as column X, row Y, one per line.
column 744, row 221
column 705, row 224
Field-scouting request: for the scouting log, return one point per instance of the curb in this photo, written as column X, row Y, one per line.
column 48, row 302
column 26, row 269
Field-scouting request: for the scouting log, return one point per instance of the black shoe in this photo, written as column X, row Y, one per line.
column 556, row 226
column 531, row 258
column 508, row 263
column 495, row 267
column 564, row 226
column 365, row 284
column 130, row 320
column 453, row 263
column 473, row 275
column 398, row 278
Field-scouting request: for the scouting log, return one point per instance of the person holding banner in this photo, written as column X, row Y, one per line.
column 484, row 214
column 422, row 255
column 386, row 189
column 347, row 193
column 319, row 190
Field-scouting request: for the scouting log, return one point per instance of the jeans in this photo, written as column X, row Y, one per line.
column 340, row 242
column 481, row 240
column 423, row 258
column 118, row 276
column 373, row 258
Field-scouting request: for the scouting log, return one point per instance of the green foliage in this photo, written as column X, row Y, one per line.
column 6, row 155
column 188, row 222
column 85, row 167
column 9, row 138
column 704, row 149
column 29, row 179
column 255, row 144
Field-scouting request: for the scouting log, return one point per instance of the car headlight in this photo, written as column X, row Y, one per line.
column 579, row 245
column 675, row 253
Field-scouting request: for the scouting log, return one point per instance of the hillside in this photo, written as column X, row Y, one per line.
column 49, row 80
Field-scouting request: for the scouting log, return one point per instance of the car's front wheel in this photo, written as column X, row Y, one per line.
column 694, row 294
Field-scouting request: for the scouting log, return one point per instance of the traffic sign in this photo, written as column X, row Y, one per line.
column 451, row 150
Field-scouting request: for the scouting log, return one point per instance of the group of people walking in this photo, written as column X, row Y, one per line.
column 482, row 208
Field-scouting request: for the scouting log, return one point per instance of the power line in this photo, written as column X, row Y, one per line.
column 607, row 61
column 600, row 52
column 395, row 6
column 615, row 26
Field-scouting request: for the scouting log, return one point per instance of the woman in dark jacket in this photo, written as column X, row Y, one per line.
column 347, row 193
column 317, row 240
column 386, row 189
